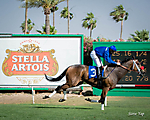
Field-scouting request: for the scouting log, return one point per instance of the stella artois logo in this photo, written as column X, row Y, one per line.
column 29, row 60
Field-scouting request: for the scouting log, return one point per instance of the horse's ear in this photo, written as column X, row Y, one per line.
column 133, row 57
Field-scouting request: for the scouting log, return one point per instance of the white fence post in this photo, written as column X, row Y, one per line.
column 33, row 92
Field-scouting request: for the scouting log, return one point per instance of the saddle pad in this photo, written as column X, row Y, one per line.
column 93, row 72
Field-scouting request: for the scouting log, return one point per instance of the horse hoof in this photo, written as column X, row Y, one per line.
column 45, row 97
column 62, row 100
column 88, row 99
column 101, row 101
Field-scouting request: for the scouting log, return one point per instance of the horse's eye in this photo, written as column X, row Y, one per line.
column 138, row 63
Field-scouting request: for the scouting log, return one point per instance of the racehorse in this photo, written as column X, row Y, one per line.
column 77, row 74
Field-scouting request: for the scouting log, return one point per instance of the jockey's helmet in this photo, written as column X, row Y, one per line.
column 113, row 48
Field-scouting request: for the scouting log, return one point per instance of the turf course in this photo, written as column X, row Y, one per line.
column 127, row 108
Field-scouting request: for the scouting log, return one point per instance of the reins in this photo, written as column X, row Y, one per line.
column 110, row 72
column 134, row 64
column 126, row 68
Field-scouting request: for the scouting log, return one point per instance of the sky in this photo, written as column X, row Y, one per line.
column 11, row 17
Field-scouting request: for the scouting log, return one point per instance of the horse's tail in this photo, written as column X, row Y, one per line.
column 58, row 78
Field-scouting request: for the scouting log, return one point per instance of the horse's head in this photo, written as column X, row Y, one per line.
column 138, row 67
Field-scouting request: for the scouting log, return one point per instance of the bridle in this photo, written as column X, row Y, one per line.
column 134, row 65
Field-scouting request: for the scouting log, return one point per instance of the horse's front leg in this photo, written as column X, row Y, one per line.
column 103, row 96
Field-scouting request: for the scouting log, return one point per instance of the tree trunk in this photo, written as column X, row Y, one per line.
column 91, row 31
column 54, row 17
column 121, row 30
column 26, row 12
column 68, row 15
column 47, row 23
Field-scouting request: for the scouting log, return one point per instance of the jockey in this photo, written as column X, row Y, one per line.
column 106, row 53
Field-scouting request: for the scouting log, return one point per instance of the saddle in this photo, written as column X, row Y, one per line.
column 93, row 71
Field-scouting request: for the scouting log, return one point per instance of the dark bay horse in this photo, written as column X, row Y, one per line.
column 77, row 74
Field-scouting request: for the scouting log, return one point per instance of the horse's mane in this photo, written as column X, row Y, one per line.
column 125, row 60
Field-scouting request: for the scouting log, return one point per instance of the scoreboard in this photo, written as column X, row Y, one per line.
column 125, row 50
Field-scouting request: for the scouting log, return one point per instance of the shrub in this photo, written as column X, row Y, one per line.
column 88, row 47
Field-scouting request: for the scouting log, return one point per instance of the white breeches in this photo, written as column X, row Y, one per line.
column 96, row 59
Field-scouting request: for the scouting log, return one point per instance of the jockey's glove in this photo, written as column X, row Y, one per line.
column 118, row 63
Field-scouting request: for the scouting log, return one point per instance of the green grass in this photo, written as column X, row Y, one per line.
column 117, row 109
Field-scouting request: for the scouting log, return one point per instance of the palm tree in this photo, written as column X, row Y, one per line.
column 142, row 35
column 26, row 12
column 68, row 15
column 47, row 5
column 89, row 22
column 52, row 30
column 30, row 26
column 53, row 10
column 119, row 14
column 64, row 14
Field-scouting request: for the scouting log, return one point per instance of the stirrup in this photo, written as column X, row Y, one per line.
column 100, row 77
column 103, row 77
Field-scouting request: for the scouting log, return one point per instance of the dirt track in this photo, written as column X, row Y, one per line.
column 26, row 98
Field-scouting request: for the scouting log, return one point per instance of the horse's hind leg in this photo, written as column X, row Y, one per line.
column 54, row 92
column 64, row 87
column 65, row 94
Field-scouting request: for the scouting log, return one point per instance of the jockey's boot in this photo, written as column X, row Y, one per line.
column 100, row 73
